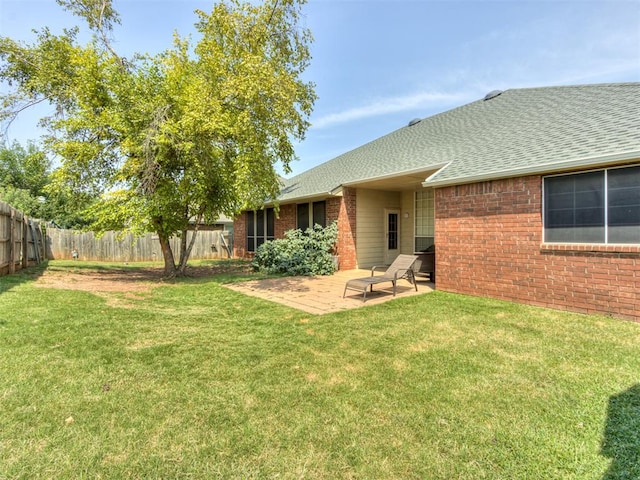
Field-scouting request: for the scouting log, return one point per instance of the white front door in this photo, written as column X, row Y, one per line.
column 392, row 235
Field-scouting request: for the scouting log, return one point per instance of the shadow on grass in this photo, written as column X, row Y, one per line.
column 198, row 271
column 7, row 282
column 79, row 265
column 621, row 440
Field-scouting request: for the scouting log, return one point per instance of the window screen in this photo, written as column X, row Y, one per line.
column 593, row 207
column 260, row 227
column 574, row 208
column 271, row 223
column 319, row 213
column 623, row 206
column 251, row 231
column 303, row 216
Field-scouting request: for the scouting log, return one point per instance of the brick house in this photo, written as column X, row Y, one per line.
column 529, row 195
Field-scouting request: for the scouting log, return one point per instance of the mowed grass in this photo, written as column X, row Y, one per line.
column 192, row 380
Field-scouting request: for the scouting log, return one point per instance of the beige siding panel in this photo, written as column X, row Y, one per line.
column 370, row 206
column 407, row 223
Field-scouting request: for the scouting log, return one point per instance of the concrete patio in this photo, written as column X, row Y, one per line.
column 323, row 294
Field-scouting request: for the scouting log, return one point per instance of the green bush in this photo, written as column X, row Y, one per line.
column 299, row 253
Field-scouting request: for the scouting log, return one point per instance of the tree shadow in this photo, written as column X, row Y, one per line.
column 28, row 274
column 621, row 440
column 11, row 281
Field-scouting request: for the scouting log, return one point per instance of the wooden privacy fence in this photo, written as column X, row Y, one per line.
column 21, row 240
column 67, row 244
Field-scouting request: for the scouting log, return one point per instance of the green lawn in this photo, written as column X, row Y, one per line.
column 192, row 380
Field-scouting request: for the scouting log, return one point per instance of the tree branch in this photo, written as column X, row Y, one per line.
column 11, row 116
column 103, row 35
column 150, row 169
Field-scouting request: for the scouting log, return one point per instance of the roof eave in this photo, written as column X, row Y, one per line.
column 536, row 169
column 402, row 173
column 311, row 196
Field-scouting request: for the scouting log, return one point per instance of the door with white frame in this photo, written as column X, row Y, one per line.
column 391, row 235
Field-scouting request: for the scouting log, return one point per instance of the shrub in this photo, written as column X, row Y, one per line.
column 299, row 253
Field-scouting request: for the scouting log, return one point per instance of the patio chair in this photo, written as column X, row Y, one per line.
column 402, row 267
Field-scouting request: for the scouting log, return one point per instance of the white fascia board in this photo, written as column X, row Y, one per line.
column 535, row 170
column 436, row 173
column 394, row 175
column 312, row 196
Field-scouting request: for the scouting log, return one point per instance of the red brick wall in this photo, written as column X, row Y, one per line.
column 489, row 243
column 343, row 209
column 240, row 236
column 286, row 219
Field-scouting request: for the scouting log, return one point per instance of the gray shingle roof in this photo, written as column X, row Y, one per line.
column 532, row 130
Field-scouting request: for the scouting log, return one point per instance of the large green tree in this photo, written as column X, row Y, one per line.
column 25, row 183
column 24, row 174
column 174, row 139
column 24, row 168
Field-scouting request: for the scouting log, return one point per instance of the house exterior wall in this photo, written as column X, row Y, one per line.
column 286, row 220
column 488, row 240
column 407, row 229
column 370, row 208
column 341, row 209
column 240, row 236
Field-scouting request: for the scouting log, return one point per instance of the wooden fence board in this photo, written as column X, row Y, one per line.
column 23, row 244
column 21, row 240
column 111, row 247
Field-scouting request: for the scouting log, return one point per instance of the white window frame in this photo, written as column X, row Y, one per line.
column 415, row 217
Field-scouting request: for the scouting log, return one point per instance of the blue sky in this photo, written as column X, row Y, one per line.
column 379, row 63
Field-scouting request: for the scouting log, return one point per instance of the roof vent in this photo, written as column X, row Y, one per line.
column 492, row 94
column 414, row 121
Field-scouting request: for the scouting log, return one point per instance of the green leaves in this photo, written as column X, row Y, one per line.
column 25, row 169
column 195, row 131
column 27, row 183
column 299, row 253
column 99, row 14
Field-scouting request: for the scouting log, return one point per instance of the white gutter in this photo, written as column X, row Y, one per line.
column 531, row 170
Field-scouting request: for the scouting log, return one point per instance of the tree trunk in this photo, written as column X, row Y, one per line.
column 185, row 251
column 167, row 254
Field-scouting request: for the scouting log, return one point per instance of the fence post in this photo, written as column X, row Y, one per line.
column 34, row 239
column 25, row 243
column 12, row 241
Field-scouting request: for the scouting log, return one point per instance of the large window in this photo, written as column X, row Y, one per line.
column 260, row 227
column 593, row 207
column 309, row 214
column 425, row 220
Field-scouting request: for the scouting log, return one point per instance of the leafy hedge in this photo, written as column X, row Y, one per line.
column 299, row 253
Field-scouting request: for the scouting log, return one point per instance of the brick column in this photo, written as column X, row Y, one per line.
column 240, row 236
column 343, row 209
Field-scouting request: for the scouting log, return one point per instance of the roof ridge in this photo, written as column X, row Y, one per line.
column 576, row 86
